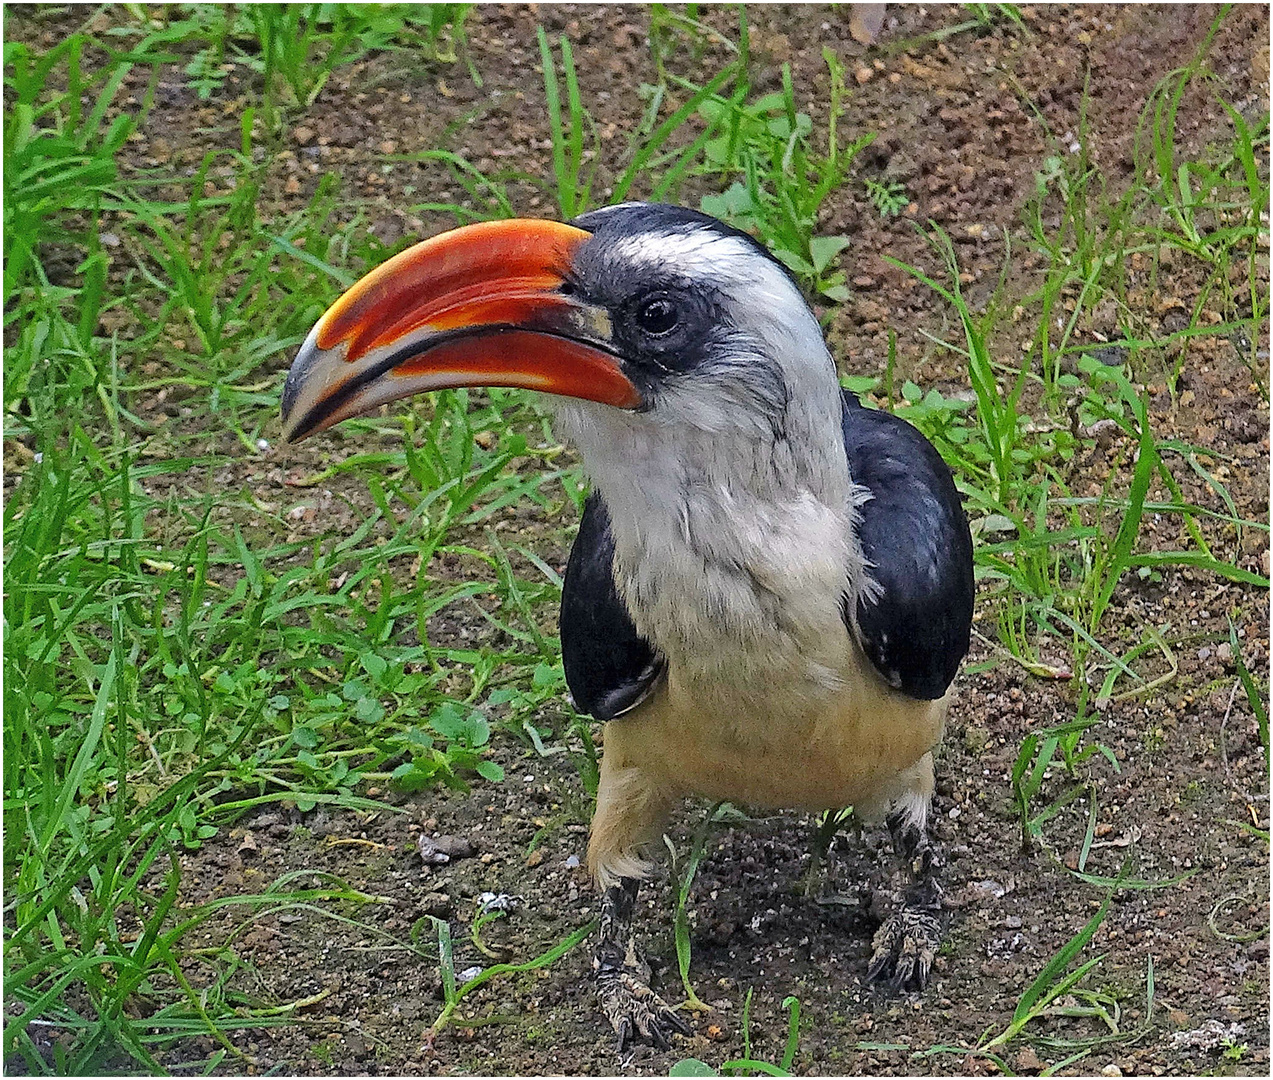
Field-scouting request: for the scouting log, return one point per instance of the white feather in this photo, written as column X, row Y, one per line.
column 735, row 539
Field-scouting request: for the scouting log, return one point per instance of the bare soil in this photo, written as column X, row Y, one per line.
column 966, row 123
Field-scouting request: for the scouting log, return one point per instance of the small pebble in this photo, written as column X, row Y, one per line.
column 437, row 904
column 505, row 902
column 1111, row 1070
column 262, row 445
column 470, row 973
column 1027, row 1061
column 976, row 738
column 430, row 852
column 457, row 847
column 572, row 861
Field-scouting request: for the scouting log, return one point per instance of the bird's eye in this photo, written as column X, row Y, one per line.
column 658, row 315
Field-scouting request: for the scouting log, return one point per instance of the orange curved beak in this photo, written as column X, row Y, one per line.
column 482, row 305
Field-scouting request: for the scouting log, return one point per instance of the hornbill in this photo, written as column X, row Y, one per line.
column 772, row 587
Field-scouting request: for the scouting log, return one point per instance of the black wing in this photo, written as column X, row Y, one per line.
column 915, row 534
column 610, row 668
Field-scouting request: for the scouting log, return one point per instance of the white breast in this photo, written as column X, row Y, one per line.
column 733, row 559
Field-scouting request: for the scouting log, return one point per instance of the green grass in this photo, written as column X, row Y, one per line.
column 1063, row 996
column 784, row 178
column 684, row 875
column 177, row 653
column 1054, row 562
column 747, row 1065
column 454, row 992
column 653, row 158
column 172, row 659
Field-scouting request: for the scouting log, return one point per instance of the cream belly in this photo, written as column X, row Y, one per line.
column 861, row 744
column 824, row 752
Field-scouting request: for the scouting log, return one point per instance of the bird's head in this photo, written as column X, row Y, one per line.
column 665, row 314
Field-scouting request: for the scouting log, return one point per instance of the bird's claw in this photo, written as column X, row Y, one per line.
column 636, row 1011
column 904, row 948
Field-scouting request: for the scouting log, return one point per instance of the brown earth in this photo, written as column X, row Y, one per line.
column 966, row 123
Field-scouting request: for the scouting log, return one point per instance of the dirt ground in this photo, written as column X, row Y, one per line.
column 954, row 127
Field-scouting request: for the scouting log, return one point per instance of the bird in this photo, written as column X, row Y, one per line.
column 771, row 589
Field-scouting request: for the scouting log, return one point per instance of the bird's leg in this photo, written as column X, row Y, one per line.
column 907, row 942
column 623, row 976
column 631, row 809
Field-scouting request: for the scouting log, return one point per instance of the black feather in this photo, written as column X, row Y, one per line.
column 914, row 532
column 609, row 667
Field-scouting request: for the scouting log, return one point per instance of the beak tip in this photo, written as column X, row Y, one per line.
column 291, row 407
column 295, row 376
column 292, row 432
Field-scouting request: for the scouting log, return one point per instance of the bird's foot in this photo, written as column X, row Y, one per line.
column 905, row 946
column 633, row 1009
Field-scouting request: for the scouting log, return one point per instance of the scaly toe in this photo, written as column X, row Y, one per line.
column 633, row 1010
column 904, row 948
